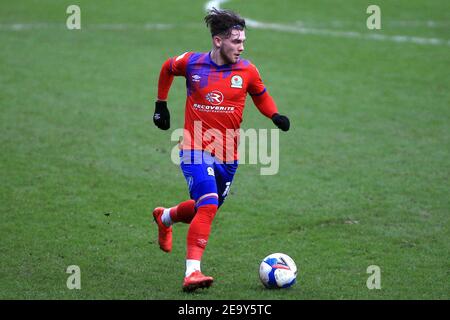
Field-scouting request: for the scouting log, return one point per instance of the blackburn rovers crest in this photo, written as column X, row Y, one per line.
column 236, row 81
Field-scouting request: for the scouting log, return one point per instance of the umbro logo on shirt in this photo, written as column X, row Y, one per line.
column 196, row 78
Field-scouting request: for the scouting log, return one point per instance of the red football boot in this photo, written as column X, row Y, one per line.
column 196, row 280
column 164, row 233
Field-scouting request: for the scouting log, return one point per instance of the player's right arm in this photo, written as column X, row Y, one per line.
column 175, row 66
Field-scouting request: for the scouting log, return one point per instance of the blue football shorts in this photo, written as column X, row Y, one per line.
column 208, row 179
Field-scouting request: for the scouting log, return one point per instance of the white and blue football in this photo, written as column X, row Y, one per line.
column 278, row 270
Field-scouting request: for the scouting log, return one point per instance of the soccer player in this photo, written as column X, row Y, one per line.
column 217, row 85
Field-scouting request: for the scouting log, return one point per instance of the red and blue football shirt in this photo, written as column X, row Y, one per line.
column 215, row 100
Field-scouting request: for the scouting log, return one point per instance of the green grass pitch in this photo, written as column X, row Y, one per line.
column 364, row 170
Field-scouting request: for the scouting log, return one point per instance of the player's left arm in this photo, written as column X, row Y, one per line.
column 264, row 101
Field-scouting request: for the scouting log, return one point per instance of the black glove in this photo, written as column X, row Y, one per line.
column 161, row 118
column 281, row 122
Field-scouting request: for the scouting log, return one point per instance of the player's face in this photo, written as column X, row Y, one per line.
column 232, row 47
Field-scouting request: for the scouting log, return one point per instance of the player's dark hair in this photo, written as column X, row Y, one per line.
column 221, row 22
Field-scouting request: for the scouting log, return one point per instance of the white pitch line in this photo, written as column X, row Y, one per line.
column 214, row 4
column 296, row 28
column 391, row 23
column 346, row 34
column 104, row 26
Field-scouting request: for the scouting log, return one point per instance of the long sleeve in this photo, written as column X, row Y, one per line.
column 165, row 80
column 175, row 66
column 261, row 98
column 265, row 104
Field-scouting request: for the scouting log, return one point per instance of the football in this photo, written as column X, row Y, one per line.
column 278, row 270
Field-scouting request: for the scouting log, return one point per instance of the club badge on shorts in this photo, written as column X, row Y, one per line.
column 236, row 81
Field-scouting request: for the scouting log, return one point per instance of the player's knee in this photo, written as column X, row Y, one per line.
column 208, row 199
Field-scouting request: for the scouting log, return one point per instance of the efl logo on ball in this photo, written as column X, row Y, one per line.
column 278, row 270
